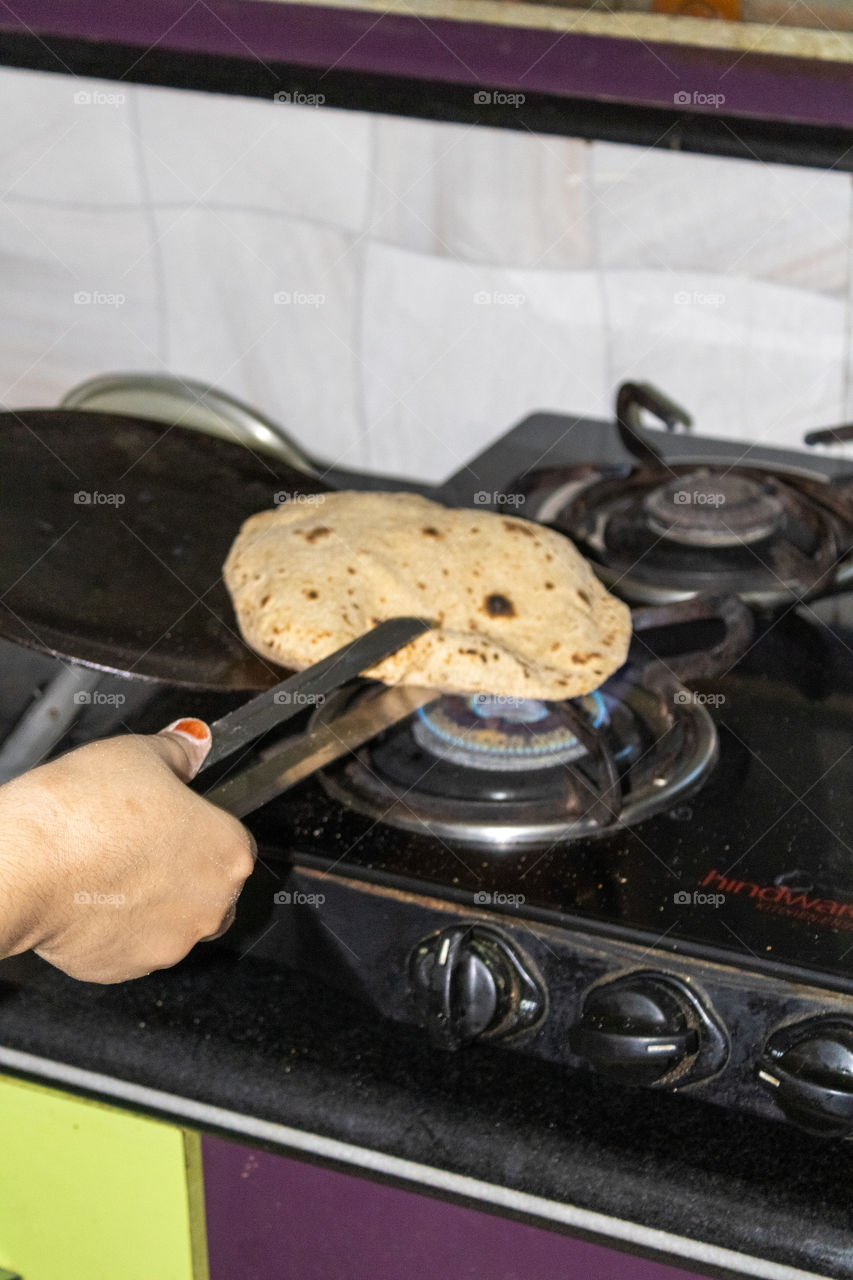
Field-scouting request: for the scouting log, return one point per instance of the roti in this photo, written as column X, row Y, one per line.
column 517, row 610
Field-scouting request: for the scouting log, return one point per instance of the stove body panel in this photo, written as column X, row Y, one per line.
column 363, row 936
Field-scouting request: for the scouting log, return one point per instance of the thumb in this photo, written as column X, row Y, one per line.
column 183, row 745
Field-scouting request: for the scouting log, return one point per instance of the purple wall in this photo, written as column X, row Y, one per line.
column 462, row 53
column 273, row 1218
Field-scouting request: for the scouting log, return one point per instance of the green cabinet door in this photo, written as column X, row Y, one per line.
column 91, row 1192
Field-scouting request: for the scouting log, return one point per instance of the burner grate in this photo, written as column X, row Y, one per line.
column 633, row 749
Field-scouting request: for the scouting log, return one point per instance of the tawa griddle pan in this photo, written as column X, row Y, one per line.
column 113, row 532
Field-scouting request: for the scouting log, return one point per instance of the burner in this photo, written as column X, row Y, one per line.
column 761, row 534
column 505, row 774
column 661, row 531
column 498, row 733
column 709, row 508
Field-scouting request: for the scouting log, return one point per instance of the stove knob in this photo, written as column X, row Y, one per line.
column 469, row 983
column 809, row 1068
column 637, row 1030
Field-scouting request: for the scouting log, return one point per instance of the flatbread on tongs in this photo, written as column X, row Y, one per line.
column 519, row 612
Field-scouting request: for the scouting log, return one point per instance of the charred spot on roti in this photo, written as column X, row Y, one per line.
column 582, row 595
column 549, row 586
column 310, row 593
column 320, row 531
column 513, row 526
column 497, row 605
column 431, row 532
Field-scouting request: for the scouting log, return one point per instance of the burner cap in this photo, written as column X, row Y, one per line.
column 714, row 509
column 488, row 732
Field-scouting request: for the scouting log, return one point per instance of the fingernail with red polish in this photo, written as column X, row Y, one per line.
column 196, row 729
column 197, row 739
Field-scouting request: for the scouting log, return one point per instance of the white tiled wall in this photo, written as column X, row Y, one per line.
column 444, row 279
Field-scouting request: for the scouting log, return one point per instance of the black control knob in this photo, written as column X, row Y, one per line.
column 809, row 1069
column 639, row 1029
column 468, row 982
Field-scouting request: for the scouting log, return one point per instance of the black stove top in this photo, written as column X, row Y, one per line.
column 756, row 865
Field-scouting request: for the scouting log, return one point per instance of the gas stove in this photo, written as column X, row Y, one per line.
column 654, row 882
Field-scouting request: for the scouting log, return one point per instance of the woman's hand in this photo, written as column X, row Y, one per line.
column 109, row 865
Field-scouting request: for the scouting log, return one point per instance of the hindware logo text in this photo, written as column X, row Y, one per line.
column 778, row 899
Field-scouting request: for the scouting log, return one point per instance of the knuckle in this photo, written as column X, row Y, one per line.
column 216, row 924
column 240, row 850
column 210, row 930
column 243, row 864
